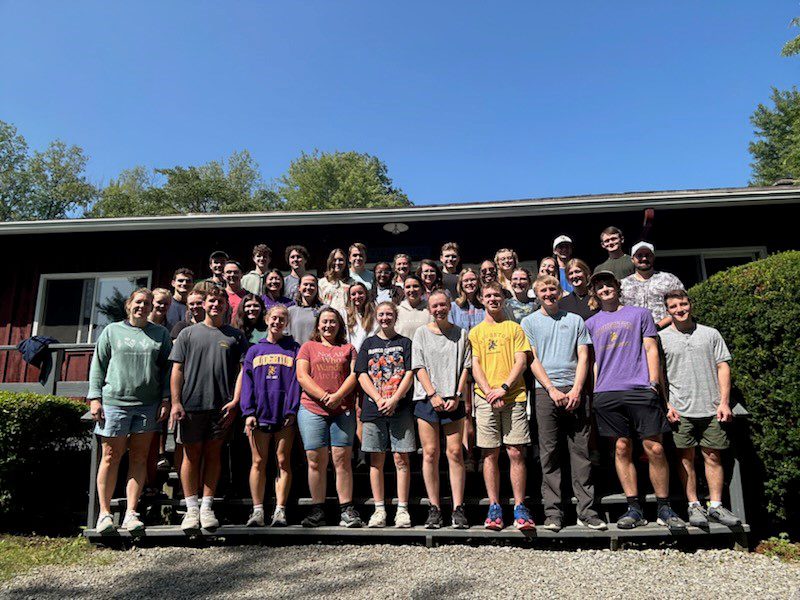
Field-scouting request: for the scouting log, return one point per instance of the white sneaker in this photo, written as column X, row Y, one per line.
column 402, row 520
column 378, row 518
column 208, row 520
column 279, row 518
column 105, row 524
column 256, row 519
column 191, row 520
column 132, row 523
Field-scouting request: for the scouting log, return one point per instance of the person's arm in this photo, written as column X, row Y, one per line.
column 665, row 322
column 581, row 371
column 437, row 403
column 176, row 386
column 97, row 376
column 559, row 398
column 653, row 361
column 520, row 363
column 391, row 403
column 310, row 387
column 292, row 398
column 479, row 376
column 347, row 387
column 365, row 381
column 724, row 413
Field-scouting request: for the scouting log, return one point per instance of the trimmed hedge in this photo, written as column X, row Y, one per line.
column 44, row 449
column 756, row 307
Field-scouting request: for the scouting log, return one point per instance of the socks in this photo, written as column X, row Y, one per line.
column 402, row 506
column 694, row 504
column 633, row 502
column 715, row 504
column 380, row 506
column 207, row 501
column 343, row 506
column 191, row 501
column 280, row 507
column 662, row 502
column 258, row 507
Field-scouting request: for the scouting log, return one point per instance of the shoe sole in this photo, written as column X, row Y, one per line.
column 351, row 525
column 736, row 524
column 493, row 527
column 552, row 528
column 313, row 525
column 135, row 530
column 434, row 526
column 641, row 523
column 209, row 527
column 460, row 526
column 671, row 527
column 376, row 526
column 403, row 526
column 107, row 530
column 602, row 527
column 700, row 525
column 525, row 526
column 252, row 525
column 279, row 524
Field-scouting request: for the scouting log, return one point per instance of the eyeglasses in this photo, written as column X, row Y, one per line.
column 490, row 270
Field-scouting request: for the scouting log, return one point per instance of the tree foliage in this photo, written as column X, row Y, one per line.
column 776, row 151
column 322, row 180
column 44, row 185
column 792, row 47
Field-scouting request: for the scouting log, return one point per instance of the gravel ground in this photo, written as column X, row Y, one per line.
column 415, row 572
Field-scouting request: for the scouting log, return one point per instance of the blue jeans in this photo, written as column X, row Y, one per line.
column 318, row 431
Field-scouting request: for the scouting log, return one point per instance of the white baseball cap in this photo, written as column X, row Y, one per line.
column 561, row 240
column 639, row 245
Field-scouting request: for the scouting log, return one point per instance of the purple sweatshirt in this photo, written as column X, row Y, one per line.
column 270, row 390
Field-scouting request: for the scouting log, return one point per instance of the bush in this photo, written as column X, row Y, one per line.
column 756, row 307
column 44, row 450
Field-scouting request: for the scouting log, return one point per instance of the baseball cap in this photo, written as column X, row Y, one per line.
column 219, row 254
column 561, row 239
column 602, row 275
column 639, row 245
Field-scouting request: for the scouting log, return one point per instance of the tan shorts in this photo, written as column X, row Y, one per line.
column 501, row 426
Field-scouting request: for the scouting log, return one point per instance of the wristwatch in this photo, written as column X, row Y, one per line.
column 505, row 387
column 459, row 395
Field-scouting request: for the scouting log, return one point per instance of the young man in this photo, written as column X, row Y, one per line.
column 182, row 282
column 357, row 255
column 626, row 398
column 646, row 287
column 562, row 251
column 560, row 345
column 205, row 361
column 619, row 263
column 499, row 357
column 216, row 264
column 451, row 259
column 297, row 259
column 699, row 382
column 253, row 281
column 234, row 289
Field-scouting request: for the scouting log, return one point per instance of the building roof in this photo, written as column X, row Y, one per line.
column 598, row 203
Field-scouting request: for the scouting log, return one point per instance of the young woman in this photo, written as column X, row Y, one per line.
column 384, row 372
column 548, row 266
column 431, row 276
column 327, row 417
column 441, row 357
column 195, row 313
column 129, row 397
column 303, row 314
column 577, row 301
column 506, row 261
column 269, row 402
column 402, row 268
column 162, row 299
column 334, row 284
column 273, row 290
column 411, row 313
column 249, row 318
column 521, row 304
column 466, row 310
column 384, row 290
column 360, row 313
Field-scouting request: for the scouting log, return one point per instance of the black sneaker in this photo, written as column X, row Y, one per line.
column 669, row 518
column 593, row 522
column 632, row 518
column 434, row 518
column 350, row 518
column 459, row 518
column 315, row 518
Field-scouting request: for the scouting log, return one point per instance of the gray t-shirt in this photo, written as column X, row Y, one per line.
column 621, row 267
column 691, row 360
column 210, row 359
column 290, row 285
column 301, row 322
column 444, row 356
column 555, row 340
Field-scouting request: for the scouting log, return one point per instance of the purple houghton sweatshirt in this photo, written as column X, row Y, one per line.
column 270, row 390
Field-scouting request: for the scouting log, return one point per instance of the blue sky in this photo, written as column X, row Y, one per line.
column 464, row 101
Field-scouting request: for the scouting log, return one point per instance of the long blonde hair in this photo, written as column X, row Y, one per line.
column 368, row 318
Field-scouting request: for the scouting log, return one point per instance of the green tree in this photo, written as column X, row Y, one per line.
column 216, row 187
column 13, row 173
column 792, row 47
column 776, row 151
column 324, row 180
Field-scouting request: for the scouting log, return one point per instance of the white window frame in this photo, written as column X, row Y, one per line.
column 725, row 252
column 45, row 277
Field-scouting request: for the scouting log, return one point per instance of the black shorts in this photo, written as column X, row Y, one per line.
column 423, row 410
column 202, row 426
column 630, row 414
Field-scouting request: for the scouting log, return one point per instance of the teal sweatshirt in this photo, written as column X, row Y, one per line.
column 130, row 366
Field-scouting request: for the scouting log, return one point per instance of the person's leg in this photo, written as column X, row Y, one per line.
column 657, row 461
column 259, row 449
column 212, row 466
column 715, row 475
column 283, row 450
column 317, row 474
column 429, row 440
column 113, row 448
column 140, row 446
column 626, row 471
column 402, row 464
column 578, row 432
column 455, row 459
column 549, row 456
column 376, row 482
column 342, row 464
column 491, row 474
column 190, row 468
column 516, row 455
column 687, row 473
column 151, row 462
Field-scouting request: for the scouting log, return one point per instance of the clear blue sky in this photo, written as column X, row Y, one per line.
column 464, row 101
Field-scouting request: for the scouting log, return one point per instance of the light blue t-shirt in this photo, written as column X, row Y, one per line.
column 556, row 340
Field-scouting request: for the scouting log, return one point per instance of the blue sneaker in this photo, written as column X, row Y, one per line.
column 668, row 518
column 632, row 518
column 494, row 519
column 522, row 518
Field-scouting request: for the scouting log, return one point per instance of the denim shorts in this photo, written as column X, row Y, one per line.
column 126, row 420
column 318, row 431
column 395, row 433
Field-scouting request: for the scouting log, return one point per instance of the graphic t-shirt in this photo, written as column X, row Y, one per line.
column 555, row 340
column 329, row 366
column 518, row 309
column 386, row 363
column 495, row 345
column 618, row 339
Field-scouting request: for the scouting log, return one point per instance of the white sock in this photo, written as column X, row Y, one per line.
column 258, row 507
column 191, row 501
column 402, row 506
column 715, row 504
column 207, row 501
column 380, row 506
column 695, row 503
column 280, row 507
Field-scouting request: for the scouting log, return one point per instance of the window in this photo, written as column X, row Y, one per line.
column 75, row 307
column 694, row 266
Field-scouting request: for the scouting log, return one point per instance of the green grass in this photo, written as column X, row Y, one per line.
column 19, row 553
column 780, row 546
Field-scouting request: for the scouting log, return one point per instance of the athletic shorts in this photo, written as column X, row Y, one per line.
column 629, row 414
column 423, row 410
column 506, row 426
column 318, row 431
column 126, row 420
column 707, row 432
column 201, row 426
column 395, row 433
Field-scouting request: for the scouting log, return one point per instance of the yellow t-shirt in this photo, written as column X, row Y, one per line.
column 495, row 345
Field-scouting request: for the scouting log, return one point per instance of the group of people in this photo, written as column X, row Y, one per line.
column 394, row 357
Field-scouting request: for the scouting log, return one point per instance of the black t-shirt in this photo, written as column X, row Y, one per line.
column 579, row 306
column 450, row 282
column 386, row 363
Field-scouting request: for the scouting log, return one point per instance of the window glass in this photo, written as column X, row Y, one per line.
column 109, row 304
column 62, row 309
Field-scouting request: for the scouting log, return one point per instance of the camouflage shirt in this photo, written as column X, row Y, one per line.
column 649, row 293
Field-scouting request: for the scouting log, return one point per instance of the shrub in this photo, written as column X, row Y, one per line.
column 756, row 308
column 43, row 462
